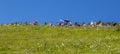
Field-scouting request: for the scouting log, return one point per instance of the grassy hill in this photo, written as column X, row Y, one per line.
column 49, row 40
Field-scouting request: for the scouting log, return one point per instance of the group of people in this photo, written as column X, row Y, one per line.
column 66, row 22
column 61, row 22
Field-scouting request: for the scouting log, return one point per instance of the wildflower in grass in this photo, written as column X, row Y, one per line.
column 78, row 43
column 109, row 46
column 39, row 46
column 38, row 43
column 26, row 51
column 91, row 46
column 63, row 45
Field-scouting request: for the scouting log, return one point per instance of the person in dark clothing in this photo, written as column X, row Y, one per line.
column 76, row 24
column 66, row 22
column 45, row 23
column 35, row 22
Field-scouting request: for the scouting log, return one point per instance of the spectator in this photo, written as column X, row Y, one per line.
column 35, row 22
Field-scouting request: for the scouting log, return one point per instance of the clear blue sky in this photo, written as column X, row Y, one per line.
column 53, row 10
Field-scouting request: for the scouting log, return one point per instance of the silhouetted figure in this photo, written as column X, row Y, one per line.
column 76, row 24
column 35, row 22
column 50, row 24
column 66, row 21
column 45, row 23
column 70, row 24
column 27, row 23
column 99, row 24
column 114, row 24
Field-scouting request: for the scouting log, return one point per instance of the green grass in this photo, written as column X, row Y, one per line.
column 49, row 40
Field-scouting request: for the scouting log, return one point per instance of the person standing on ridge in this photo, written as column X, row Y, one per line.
column 35, row 22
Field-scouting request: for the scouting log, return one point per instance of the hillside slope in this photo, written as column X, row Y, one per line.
column 49, row 40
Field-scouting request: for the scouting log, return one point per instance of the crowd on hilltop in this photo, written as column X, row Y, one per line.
column 68, row 23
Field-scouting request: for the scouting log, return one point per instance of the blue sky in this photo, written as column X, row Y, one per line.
column 53, row 10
